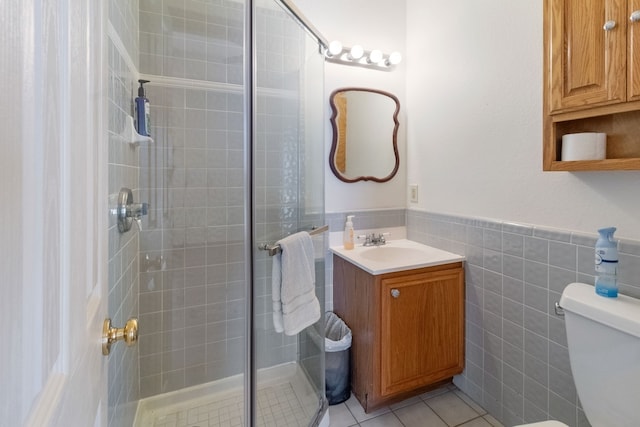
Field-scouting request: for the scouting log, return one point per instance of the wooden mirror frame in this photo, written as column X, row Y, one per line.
column 334, row 145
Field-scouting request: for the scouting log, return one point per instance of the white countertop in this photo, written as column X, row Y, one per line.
column 395, row 255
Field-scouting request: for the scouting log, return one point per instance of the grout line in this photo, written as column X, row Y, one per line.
column 438, row 392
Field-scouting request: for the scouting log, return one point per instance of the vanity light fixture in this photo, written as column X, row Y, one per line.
column 374, row 57
column 355, row 53
column 358, row 56
column 393, row 59
column 335, row 48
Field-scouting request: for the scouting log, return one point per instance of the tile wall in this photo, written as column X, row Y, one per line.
column 123, row 172
column 192, row 293
column 517, row 363
column 192, row 39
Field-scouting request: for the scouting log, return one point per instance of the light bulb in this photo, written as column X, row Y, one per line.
column 394, row 59
column 335, row 48
column 356, row 52
column 374, row 57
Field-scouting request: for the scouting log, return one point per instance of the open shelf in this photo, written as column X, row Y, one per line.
column 623, row 140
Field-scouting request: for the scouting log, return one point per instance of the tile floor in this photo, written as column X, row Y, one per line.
column 443, row 407
column 279, row 406
column 282, row 405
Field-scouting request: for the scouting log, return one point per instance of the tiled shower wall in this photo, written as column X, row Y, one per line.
column 517, row 362
column 191, row 247
column 123, row 281
column 192, row 293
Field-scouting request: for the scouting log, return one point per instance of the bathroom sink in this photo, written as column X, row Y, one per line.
column 392, row 254
column 395, row 255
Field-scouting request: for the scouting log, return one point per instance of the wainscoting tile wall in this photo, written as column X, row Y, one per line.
column 517, row 362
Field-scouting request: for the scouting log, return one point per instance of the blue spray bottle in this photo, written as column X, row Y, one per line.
column 143, row 109
column 607, row 263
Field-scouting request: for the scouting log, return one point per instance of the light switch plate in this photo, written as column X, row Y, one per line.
column 413, row 193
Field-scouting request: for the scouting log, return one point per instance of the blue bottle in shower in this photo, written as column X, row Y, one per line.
column 143, row 109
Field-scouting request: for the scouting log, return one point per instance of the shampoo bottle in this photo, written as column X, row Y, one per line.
column 143, row 109
column 347, row 239
column 606, row 263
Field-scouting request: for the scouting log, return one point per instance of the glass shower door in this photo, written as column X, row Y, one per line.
column 184, row 274
column 288, row 197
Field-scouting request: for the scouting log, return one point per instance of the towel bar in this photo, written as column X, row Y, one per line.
column 276, row 249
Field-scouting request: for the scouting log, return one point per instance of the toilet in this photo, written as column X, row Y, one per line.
column 603, row 337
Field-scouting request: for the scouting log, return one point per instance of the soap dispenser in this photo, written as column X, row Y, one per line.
column 347, row 238
column 143, row 110
column 606, row 263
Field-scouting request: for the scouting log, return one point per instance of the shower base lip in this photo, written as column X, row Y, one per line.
column 156, row 406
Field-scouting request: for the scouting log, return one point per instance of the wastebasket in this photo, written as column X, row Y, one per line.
column 337, row 343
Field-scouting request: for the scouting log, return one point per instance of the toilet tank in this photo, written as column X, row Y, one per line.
column 603, row 336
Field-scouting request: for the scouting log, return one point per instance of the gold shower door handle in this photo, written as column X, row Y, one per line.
column 110, row 335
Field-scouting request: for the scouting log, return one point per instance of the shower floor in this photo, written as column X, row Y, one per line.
column 285, row 398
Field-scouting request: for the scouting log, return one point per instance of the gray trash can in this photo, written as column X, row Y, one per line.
column 337, row 343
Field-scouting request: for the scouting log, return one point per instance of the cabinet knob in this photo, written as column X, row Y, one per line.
column 395, row 293
column 609, row 25
column 635, row 16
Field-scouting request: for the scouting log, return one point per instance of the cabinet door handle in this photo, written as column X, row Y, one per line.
column 609, row 25
column 635, row 16
column 395, row 293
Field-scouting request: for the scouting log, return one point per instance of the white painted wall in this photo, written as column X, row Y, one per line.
column 374, row 25
column 472, row 113
column 474, row 106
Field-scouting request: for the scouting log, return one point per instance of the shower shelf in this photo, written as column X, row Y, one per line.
column 131, row 135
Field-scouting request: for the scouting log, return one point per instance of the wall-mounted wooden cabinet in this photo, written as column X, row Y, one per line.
column 592, row 79
column 408, row 328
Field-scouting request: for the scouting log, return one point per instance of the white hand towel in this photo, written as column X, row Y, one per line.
column 276, row 285
column 295, row 305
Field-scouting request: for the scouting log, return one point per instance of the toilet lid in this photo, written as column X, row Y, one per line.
column 545, row 424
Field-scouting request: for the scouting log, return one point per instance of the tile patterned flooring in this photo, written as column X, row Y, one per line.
column 277, row 406
column 280, row 406
column 443, row 407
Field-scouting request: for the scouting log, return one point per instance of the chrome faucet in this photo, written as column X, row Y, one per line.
column 374, row 239
column 127, row 211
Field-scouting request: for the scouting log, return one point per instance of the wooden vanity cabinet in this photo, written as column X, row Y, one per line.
column 592, row 80
column 408, row 329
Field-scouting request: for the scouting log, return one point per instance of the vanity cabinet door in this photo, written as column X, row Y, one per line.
column 422, row 329
column 588, row 63
column 633, row 66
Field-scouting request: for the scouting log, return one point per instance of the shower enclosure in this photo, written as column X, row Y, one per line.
column 236, row 162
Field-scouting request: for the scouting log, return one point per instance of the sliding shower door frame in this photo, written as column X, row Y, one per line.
column 250, row 138
column 250, row 84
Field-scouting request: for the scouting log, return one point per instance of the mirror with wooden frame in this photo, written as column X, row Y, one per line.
column 365, row 135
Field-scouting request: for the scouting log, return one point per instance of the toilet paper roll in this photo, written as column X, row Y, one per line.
column 584, row 146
